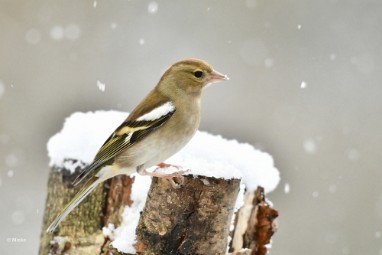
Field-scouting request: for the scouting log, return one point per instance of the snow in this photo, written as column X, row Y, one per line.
column 109, row 231
column 310, row 146
column 209, row 155
column 125, row 234
column 268, row 62
column 113, row 25
column 101, row 86
column 215, row 156
column 71, row 32
column 57, row 33
column 303, row 85
column 158, row 112
column 152, row 8
column 286, row 188
column 206, row 154
column 60, row 242
column 82, row 135
column 333, row 188
column 10, row 173
column 353, row 154
column 2, row 88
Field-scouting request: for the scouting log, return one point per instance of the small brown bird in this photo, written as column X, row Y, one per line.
column 162, row 124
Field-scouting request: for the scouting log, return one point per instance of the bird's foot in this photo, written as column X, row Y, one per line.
column 178, row 175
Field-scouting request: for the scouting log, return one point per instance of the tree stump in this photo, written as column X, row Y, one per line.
column 254, row 225
column 80, row 232
column 193, row 219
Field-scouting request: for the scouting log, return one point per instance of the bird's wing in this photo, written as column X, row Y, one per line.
column 126, row 135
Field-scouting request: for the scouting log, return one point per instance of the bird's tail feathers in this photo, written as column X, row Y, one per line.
column 85, row 172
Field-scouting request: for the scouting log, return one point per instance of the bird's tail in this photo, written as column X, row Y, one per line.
column 88, row 187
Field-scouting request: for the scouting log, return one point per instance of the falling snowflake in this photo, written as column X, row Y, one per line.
column 57, row 33
column 101, row 86
column 353, row 154
column 152, row 7
column 268, row 62
column 310, row 146
column 2, row 89
column 10, row 173
column 333, row 188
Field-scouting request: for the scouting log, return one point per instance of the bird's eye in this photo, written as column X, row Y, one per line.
column 198, row 74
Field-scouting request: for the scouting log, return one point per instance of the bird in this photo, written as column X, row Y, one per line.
column 158, row 127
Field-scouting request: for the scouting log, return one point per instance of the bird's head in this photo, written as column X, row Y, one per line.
column 190, row 76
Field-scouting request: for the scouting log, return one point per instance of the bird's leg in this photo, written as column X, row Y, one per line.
column 168, row 176
column 164, row 165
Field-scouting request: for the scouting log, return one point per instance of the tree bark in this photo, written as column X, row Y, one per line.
column 193, row 219
column 81, row 231
column 254, row 225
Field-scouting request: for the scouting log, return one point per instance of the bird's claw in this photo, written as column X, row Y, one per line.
column 178, row 175
column 174, row 184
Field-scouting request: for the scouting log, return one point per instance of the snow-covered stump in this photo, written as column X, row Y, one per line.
column 213, row 162
column 193, row 219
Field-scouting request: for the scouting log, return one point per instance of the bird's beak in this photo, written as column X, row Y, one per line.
column 217, row 77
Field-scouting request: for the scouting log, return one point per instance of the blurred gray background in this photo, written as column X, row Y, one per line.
column 305, row 87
